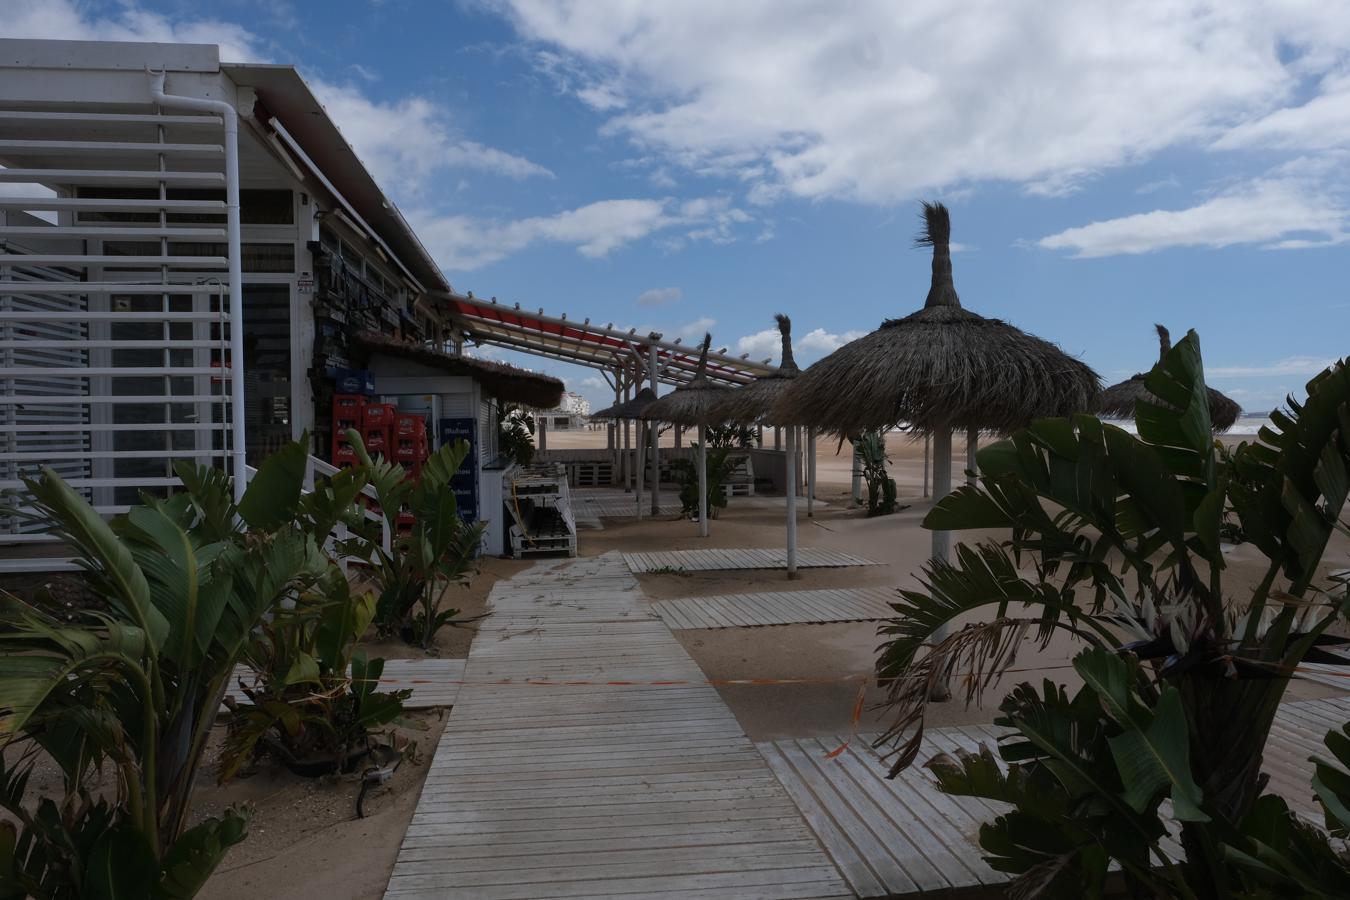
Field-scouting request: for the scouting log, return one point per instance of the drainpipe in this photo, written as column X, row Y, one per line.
column 230, row 118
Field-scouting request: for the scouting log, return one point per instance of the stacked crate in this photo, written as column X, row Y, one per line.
column 376, row 428
column 410, row 443
column 348, row 413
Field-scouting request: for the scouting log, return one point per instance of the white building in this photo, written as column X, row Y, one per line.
column 130, row 280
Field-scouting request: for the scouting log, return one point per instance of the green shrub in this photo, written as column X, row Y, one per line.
column 1115, row 540
column 130, row 691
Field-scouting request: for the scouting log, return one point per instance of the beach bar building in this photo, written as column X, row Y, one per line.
column 194, row 265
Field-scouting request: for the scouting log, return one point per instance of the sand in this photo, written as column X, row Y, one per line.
column 307, row 844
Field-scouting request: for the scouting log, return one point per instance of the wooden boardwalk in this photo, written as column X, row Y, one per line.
column 604, row 782
column 713, row 560
column 777, row 608
column 434, row 682
column 901, row 836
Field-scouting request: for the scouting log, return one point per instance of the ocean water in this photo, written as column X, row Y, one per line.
column 1246, row 426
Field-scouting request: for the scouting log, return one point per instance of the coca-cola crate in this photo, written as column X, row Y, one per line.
column 379, row 415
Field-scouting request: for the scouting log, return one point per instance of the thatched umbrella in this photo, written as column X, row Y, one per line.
column 940, row 368
column 1118, row 400
column 754, row 404
column 695, row 403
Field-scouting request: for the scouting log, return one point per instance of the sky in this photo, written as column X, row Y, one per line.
column 683, row 165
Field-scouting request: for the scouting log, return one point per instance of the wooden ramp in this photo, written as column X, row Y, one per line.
column 713, row 560
column 604, row 782
column 902, row 836
column 434, row 682
column 778, row 608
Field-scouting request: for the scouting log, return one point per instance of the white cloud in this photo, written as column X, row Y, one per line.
column 767, row 344
column 596, row 229
column 1292, row 365
column 696, row 328
column 764, row 344
column 405, row 141
column 824, row 341
column 659, row 296
column 888, row 100
column 1269, row 211
column 595, row 382
column 401, row 141
column 65, row 20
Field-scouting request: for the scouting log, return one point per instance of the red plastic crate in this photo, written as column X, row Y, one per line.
column 379, row 415
column 344, row 454
column 348, row 405
column 410, row 425
column 376, row 440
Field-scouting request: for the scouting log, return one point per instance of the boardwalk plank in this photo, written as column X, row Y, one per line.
column 771, row 608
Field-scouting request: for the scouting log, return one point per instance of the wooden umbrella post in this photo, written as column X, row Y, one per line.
column 856, row 492
column 792, row 502
column 702, row 481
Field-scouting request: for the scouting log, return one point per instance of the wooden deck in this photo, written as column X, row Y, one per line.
column 713, row 560
column 901, row 836
column 777, row 608
column 597, row 788
column 434, row 682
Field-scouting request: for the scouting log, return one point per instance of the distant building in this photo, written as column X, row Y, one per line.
column 570, row 413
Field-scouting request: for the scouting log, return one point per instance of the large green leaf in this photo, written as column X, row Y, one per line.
column 109, row 562
column 1331, row 782
column 273, row 494
column 121, row 867
column 195, row 855
column 1152, row 752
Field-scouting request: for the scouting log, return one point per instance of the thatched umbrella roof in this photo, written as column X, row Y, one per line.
column 695, row 403
column 1118, row 400
column 753, row 403
column 941, row 367
column 628, row 409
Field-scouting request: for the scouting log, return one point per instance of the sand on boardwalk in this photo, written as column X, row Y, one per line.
column 834, row 658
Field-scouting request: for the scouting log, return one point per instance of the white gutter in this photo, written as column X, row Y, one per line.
column 230, row 118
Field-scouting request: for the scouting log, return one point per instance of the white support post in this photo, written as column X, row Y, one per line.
column 810, row 472
column 702, row 481
column 942, row 540
column 972, row 447
column 639, row 433
column 926, row 441
column 856, row 490
column 791, row 502
column 230, row 119
column 655, row 438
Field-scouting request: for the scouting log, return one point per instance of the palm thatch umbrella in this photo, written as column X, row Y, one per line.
column 695, row 403
column 1118, row 400
column 940, row 368
column 754, row 404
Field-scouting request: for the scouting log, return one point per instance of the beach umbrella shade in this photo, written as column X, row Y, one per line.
column 696, row 403
column 628, row 409
column 754, row 404
column 1118, row 400
column 938, row 369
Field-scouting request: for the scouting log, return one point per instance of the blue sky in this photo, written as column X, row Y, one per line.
column 692, row 164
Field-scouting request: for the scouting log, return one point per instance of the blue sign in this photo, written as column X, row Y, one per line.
column 465, row 480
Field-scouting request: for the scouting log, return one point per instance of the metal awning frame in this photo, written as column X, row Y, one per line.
column 582, row 343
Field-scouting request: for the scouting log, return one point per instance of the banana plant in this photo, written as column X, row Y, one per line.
column 312, row 702
column 438, row 551
column 881, row 490
column 133, row 689
column 1114, row 539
